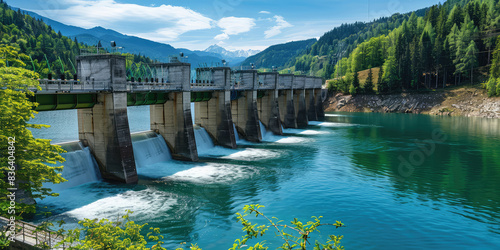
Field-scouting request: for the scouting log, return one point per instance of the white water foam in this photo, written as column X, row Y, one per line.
column 313, row 132
column 214, row 173
column 207, row 148
column 334, row 115
column 146, row 203
column 268, row 136
column 252, row 154
column 304, row 132
column 331, row 124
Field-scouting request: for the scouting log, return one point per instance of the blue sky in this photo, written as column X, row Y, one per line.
column 233, row 24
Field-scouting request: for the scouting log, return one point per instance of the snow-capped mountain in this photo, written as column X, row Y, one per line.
column 230, row 54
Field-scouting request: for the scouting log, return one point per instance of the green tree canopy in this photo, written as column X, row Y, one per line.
column 31, row 155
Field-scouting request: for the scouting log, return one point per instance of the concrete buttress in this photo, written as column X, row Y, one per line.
column 104, row 128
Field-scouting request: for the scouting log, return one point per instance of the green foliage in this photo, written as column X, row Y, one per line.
column 390, row 76
column 495, row 65
column 105, row 234
column 498, row 86
column 278, row 55
column 354, row 88
column 414, row 49
column 31, row 155
column 381, row 85
column 48, row 52
column 493, row 84
column 368, row 87
column 34, row 38
column 126, row 234
column 296, row 235
column 338, row 85
column 4, row 240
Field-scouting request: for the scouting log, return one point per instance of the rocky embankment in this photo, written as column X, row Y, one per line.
column 472, row 102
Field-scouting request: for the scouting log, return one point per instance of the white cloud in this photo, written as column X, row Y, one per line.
column 275, row 30
column 236, row 25
column 162, row 23
column 264, row 12
column 222, row 36
column 233, row 26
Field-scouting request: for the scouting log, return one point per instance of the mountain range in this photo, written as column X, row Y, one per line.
column 276, row 55
column 231, row 54
column 140, row 46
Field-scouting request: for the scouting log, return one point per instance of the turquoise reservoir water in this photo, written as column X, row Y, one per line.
column 397, row 181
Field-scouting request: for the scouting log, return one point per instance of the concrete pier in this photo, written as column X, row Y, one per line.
column 215, row 114
column 310, row 99
column 285, row 100
column 104, row 128
column 299, row 92
column 173, row 118
column 268, row 105
column 244, row 108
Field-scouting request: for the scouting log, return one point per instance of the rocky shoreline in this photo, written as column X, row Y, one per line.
column 465, row 101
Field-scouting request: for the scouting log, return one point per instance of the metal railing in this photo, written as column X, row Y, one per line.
column 149, row 86
column 29, row 234
column 53, row 86
column 88, row 86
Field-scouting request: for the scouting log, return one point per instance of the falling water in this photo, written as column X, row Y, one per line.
column 204, row 143
column 149, row 148
column 267, row 135
column 80, row 167
column 236, row 136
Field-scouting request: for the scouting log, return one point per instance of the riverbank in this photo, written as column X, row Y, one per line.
column 464, row 101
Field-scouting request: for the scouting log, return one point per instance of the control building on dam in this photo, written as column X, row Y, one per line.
column 223, row 99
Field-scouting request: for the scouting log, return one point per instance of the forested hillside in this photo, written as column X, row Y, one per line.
column 341, row 41
column 450, row 44
column 49, row 52
column 278, row 55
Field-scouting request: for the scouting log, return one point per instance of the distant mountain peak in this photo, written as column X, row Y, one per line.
column 214, row 46
column 217, row 49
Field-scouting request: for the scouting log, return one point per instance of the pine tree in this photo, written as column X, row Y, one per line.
column 354, row 88
column 391, row 77
column 495, row 64
column 469, row 61
column 491, row 22
column 437, row 54
column 455, row 17
column 416, row 71
column 463, row 41
column 381, row 86
column 493, row 84
column 426, row 46
column 368, row 87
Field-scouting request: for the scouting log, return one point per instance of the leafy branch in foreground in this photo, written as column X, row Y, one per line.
column 294, row 236
column 105, row 234
column 126, row 234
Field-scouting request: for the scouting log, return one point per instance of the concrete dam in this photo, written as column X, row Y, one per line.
column 228, row 104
